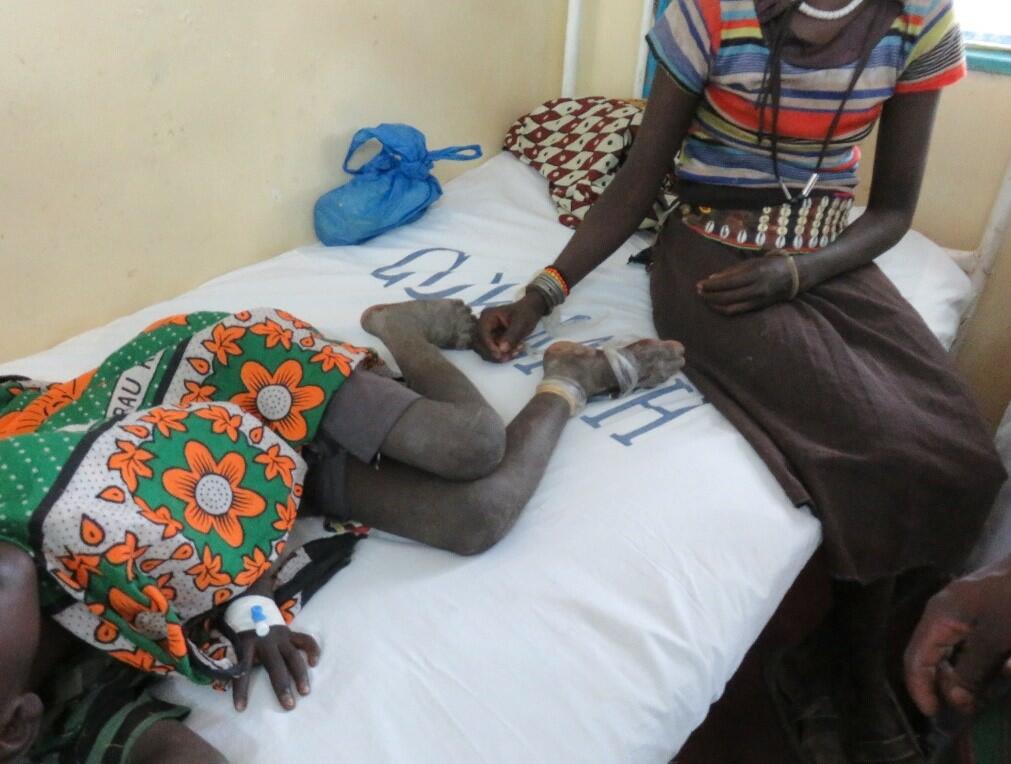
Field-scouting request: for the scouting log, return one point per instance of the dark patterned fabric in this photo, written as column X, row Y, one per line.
column 96, row 710
column 578, row 144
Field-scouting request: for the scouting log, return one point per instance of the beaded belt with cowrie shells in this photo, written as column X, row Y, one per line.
column 799, row 228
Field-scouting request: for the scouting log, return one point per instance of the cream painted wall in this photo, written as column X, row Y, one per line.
column 969, row 150
column 971, row 147
column 609, row 47
column 152, row 144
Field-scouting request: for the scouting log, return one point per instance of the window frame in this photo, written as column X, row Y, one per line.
column 988, row 52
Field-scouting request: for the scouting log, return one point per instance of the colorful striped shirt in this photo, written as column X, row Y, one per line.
column 717, row 50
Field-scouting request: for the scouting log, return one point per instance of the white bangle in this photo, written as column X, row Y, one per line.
column 794, row 271
column 253, row 612
column 566, row 389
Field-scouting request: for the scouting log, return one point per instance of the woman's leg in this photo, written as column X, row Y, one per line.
column 828, row 389
column 833, row 686
column 861, row 612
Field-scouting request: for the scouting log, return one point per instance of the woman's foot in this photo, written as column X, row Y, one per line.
column 801, row 683
column 877, row 729
column 654, row 361
column 446, row 324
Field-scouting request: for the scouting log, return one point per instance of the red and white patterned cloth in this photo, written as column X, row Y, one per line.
column 578, row 144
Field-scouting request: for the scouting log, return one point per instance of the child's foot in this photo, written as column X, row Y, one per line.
column 445, row 323
column 654, row 360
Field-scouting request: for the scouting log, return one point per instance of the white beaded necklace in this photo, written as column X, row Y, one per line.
column 818, row 13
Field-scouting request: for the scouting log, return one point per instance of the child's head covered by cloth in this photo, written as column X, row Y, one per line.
column 138, row 504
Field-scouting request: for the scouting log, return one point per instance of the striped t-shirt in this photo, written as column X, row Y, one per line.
column 717, row 50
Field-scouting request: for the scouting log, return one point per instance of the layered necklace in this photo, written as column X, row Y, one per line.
column 771, row 95
column 817, row 13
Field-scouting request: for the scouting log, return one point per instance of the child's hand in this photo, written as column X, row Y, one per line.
column 280, row 652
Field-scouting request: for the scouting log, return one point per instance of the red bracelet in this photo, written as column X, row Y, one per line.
column 557, row 276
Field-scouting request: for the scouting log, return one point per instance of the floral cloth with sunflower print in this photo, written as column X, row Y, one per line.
column 161, row 485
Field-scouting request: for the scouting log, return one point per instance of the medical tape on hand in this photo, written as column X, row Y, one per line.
column 625, row 370
column 253, row 613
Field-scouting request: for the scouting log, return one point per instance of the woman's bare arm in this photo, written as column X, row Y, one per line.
column 615, row 216
column 900, row 160
column 625, row 203
column 899, row 163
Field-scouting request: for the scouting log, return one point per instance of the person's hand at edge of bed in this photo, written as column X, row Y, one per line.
column 962, row 643
column 502, row 329
column 281, row 654
column 750, row 285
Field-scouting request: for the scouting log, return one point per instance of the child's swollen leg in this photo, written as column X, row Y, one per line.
column 469, row 517
column 452, row 432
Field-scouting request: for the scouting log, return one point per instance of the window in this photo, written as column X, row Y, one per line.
column 986, row 25
column 985, row 22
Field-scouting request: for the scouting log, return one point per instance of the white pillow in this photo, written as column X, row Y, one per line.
column 929, row 278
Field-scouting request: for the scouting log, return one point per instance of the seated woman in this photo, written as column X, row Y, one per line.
column 793, row 332
column 145, row 505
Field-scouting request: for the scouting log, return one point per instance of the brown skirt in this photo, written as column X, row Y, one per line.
column 851, row 402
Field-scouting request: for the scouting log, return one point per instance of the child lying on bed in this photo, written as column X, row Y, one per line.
column 144, row 506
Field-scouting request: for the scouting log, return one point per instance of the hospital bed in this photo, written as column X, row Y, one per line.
column 606, row 623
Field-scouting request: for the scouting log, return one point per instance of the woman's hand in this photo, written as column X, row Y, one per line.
column 750, row 285
column 280, row 652
column 501, row 330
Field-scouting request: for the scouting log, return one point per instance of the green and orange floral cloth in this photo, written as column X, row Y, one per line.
column 157, row 487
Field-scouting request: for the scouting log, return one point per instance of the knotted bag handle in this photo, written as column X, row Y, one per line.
column 366, row 134
column 360, row 138
column 456, row 153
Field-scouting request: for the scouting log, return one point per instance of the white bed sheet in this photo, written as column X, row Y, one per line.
column 606, row 623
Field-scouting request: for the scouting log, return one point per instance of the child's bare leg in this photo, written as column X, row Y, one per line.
column 451, row 432
column 414, row 332
column 465, row 517
column 469, row 517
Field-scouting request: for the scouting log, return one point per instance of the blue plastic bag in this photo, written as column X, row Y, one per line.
column 393, row 188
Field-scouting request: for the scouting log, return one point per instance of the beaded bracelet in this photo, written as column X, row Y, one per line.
column 552, row 286
column 549, row 289
column 556, row 274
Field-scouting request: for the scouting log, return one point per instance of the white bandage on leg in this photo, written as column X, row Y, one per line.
column 570, row 391
column 625, row 370
column 253, row 613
